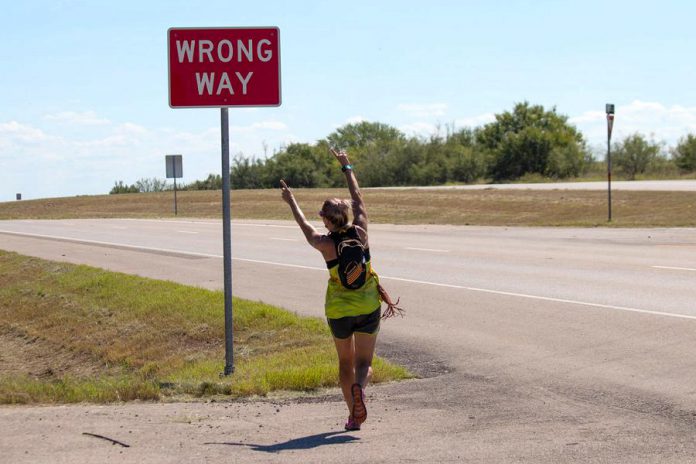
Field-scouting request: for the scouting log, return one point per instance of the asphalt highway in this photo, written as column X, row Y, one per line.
column 536, row 344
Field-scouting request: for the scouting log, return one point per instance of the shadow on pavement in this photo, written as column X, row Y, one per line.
column 311, row 441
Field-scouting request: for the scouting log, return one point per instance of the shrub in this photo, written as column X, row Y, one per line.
column 120, row 187
column 684, row 154
column 634, row 154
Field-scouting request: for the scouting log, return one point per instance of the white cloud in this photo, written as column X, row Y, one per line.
column 84, row 118
column 269, row 125
column 419, row 129
column 423, row 110
column 39, row 164
column 588, row 117
column 207, row 140
column 351, row 120
column 131, row 128
column 652, row 119
column 102, row 145
column 287, row 140
column 354, row 120
column 18, row 139
column 292, row 138
column 475, row 121
column 424, row 128
column 14, row 131
column 57, row 161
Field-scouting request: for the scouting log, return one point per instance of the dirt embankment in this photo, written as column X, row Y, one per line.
column 26, row 355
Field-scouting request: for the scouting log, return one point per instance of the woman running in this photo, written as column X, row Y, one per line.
column 354, row 296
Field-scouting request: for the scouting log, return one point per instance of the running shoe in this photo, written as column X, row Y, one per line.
column 351, row 425
column 359, row 408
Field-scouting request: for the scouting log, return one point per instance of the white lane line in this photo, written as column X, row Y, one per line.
column 215, row 223
column 313, row 268
column 113, row 244
column 498, row 292
column 284, row 239
column 422, row 282
column 187, row 232
column 180, row 221
column 427, row 249
column 277, row 226
column 675, row 268
column 545, row 298
column 119, row 228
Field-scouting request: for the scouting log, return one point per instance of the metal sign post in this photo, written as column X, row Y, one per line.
column 224, row 67
column 610, row 126
column 227, row 240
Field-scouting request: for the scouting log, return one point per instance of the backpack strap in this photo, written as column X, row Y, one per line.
column 337, row 236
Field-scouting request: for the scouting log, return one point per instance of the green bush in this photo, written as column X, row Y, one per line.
column 532, row 140
column 684, row 154
column 212, row 182
column 527, row 142
column 120, row 187
column 634, row 155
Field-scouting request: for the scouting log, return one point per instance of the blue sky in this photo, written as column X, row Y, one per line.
column 83, row 87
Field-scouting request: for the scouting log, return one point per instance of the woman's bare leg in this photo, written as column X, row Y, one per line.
column 364, row 351
column 346, row 367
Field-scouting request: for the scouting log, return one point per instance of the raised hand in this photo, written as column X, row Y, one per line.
column 341, row 156
column 286, row 192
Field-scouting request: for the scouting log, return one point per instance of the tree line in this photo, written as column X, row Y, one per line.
column 527, row 142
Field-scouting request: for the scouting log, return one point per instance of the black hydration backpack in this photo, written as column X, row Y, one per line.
column 352, row 258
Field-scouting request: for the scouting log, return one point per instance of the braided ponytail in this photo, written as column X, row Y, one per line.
column 392, row 308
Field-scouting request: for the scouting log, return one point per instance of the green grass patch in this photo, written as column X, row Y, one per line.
column 24, row 389
column 77, row 333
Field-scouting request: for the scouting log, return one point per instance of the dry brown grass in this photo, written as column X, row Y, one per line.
column 479, row 207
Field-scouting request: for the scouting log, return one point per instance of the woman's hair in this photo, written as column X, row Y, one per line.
column 336, row 211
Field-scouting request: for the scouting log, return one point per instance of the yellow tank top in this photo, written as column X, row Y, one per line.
column 341, row 302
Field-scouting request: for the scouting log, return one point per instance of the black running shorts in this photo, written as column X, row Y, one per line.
column 344, row 327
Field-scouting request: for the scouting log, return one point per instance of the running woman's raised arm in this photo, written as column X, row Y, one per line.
column 359, row 210
column 310, row 233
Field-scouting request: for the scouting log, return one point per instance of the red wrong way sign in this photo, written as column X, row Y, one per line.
column 224, row 67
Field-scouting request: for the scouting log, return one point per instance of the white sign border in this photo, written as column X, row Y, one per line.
column 169, row 71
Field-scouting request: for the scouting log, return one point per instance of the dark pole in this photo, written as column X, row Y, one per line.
column 174, row 169
column 609, row 170
column 610, row 127
column 227, row 241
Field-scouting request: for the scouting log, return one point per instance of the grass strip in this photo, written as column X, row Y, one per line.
column 568, row 208
column 104, row 336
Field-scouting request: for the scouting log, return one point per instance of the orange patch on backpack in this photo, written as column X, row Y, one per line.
column 353, row 273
